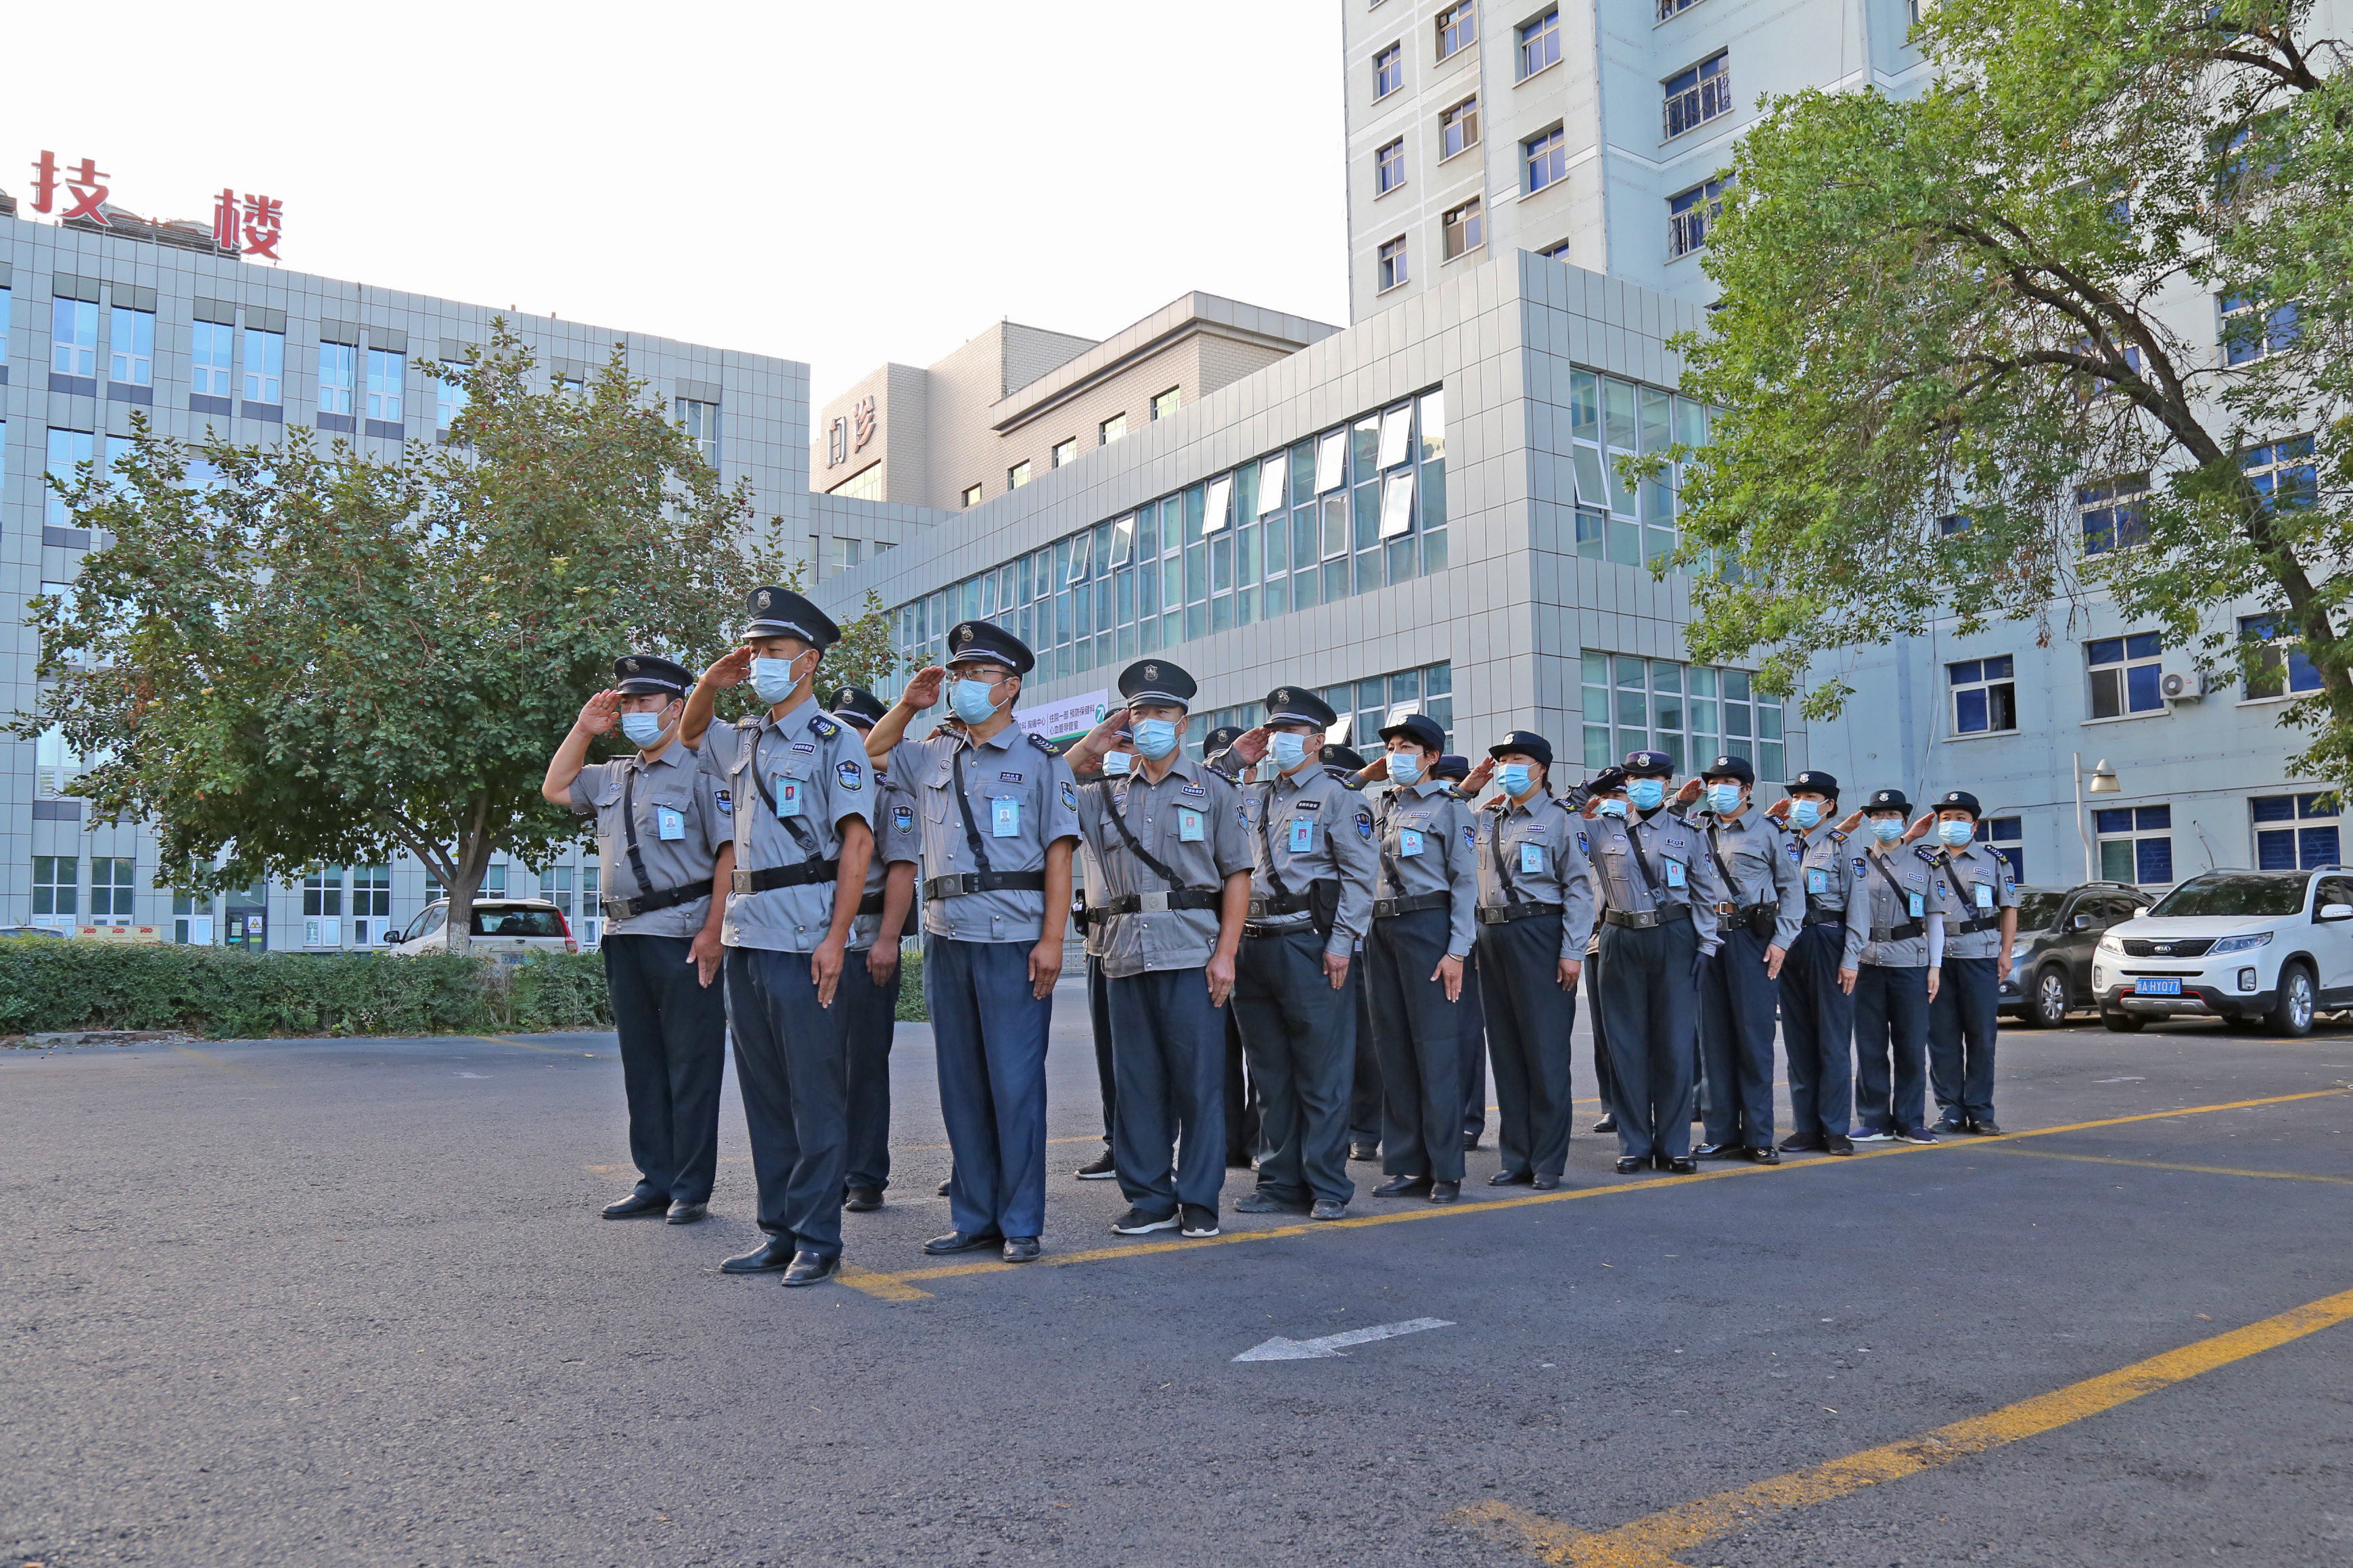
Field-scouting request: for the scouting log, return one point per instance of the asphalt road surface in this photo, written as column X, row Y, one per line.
column 312, row 1302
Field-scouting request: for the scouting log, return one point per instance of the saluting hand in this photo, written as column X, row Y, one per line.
column 1251, row 744
column 1480, row 777
column 924, row 688
column 1850, row 822
column 1919, row 829
column 601, row 713
column 1377, row 770
column 1779, row 810
column 1450, row 970
column 731, row 668
column 1693, row 788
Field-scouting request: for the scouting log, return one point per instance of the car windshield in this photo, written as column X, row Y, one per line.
column 2235, row 893
column 507, row 921
column 2037, row 912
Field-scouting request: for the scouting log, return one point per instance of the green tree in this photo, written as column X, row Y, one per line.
column 294, row 655
column 1966, row 350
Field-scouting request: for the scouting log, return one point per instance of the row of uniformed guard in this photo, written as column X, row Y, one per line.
column 785, row 851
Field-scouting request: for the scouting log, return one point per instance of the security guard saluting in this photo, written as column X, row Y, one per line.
column 804, row 838
column 1739, row 999
column 1980, row 932
column 1818, row 979
column 999, row 813
column 1535, row 915
column 1176, row 868
column 1347, row 764
column 1311, row 903
column 659, row 816
column 1423, row 924
column 1899, row 975
column 871, row 980
column 1658, row 931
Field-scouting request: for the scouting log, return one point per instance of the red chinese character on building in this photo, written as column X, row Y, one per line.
column 225, row 223
column 44, row 181
column 82, row 184
column 265, row 222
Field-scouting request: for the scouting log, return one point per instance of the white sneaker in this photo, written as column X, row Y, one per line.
column 1135, row 1222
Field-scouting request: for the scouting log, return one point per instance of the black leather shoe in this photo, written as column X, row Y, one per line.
column 765, row 1259
column 1629, row 1163
column 1470, row 1142
column 686, row 1213
column 1719, row 1151
column 1949, row 1124
column 1445, row 1192
column 1363, row 1151
column 1986, row 1127
column 1837, row 1143
column 862, row 1200
column 1020, row 1250
column 957, row 1241
column 945, row 1187
column 1607, row 1124
column 1767, row 1156
column 1402, row 1187
column 1799, row 1143
column 1542, row 1181
column 1511, row 1179
column 809, row 1268
column 637, row 1208
column 1683, row 1167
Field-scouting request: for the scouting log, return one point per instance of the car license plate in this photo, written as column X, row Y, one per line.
column 519, row 957
column 2145, row 986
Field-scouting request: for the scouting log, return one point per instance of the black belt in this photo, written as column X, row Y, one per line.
column 659, row 899
column 872, row 904
column 1256, row 929
column 1155, row 903
column 1743, row 911
column 1643, row 919
column 1267, row 904
column 1904, row 932
column 1983, row 922
column 1504, row 914
column 771, row 877
column 1825, row 917
column 1389, row 908
column 963, row 883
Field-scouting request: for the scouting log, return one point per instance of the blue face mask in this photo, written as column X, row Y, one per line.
column 1117, row 762
column 968, row 700
column 642, row 729
column 1646, row 794
column 1887, row 829
column 1287, row 750
column 1156, row 738
column 1405, row 768
column 1956, row 833
column 1518, row 779
column 1724, row 799
column 772, row 679
column 1805, row 813
column 1611, row 807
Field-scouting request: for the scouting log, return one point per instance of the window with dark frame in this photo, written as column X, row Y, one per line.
column 1691, row 214
column 1388, row 70
column 1458, row 128
column 2125, row 673
column 1389, row 166
column 1458, row 26
column 1539, row 44
column 1545, row 157
column 2296, row 832
column 1392, row 263
column 1462, row 229
column 1698, row 95
column 1985, row 695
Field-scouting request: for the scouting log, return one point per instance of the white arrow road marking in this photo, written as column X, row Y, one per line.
column 1281, row 1348
column 2120, row 1080
column 480, row 1074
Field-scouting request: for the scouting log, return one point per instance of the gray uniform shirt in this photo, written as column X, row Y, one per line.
column 1538, row 850
column 1987, row 890
column 671, row 795
column 896, row 840
column 1825, row 876
column 1311, row 826
column 1678, row 858
column 1023, row 799
column 1762, row 871
column 1190, row 821
column 1913, row 868
column 1440, row 857
column 815, row 768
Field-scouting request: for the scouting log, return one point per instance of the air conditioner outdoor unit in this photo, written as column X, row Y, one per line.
column 2181, row 685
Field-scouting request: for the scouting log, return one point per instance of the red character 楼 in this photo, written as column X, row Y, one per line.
column 225, row 221
column 83, row 185
column 265, row 222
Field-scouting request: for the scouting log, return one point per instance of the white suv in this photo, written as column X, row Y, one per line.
column 509, row 930
column 2252, row 947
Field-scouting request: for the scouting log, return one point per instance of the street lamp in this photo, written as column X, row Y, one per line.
column 2104, row 782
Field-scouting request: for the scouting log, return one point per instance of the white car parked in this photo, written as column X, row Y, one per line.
column 2257, row 948
column 510, row 930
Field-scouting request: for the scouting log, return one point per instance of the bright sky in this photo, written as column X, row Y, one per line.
column 842, row 184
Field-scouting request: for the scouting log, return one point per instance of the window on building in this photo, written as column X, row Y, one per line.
column 2124, row 673
column 73, row 338
column 1017, row 475
column 1691, row 214
column 866, row 484
column 265, row 368
column 1163, row 403
column 210, row 367
column 1458, row 128
column 2296, row 832
column 1458, row 26
column 385, row 373
column 2136, row 844
column 130, row 348
column 1545, row 157
column 1111, row 429
column 1539, row 43
column 1669, row 7
column 972, row 495
column 338, row 367
column 494, row 881
column 1464, row 229
column 1703, row 93
column 1985, row 695
column 1388, row 70
column 1608, row 420
column 2006, row 837
column 450, row 396
column 1392, row 269
column 372, row 902
column 1952, row 523
column 322, row 891
column 69, row 451
column 702, row 422
column 1558, row 252
column 2112, row 514
column 2281, row 667
column 1389, row 166
column 2252, row 329
column 112, row 890
column 843, row 555
column 55, row 763
column 1380, row 700
column 191, row 919
column 2283, row 473
column 1065, row 451
column 56, row 888
column 1694, row 713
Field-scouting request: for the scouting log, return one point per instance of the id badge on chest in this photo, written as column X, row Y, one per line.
column 1409, row 842
column 1188, row 826
column 788, row 797
column 669, row 822
column 1919, row 905
column 1530, row 859
column 1675, row 874
column 1817, row 879
column 1985, row 895
column 1302, row 836
column 1005, row 819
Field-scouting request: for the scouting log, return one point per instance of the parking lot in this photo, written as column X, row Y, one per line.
column 350, row 1301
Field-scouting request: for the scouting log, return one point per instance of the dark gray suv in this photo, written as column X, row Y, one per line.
column 2051, row 966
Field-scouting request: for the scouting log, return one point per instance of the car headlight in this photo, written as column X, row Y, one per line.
column 2239, row 944
column 2113, row 946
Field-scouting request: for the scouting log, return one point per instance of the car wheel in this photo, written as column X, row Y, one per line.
column 2291, row 1014
column 2046, row 1004
column 2122, row 1023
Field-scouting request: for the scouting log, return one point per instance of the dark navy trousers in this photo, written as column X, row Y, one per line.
column 1099, row 1018
column 1529, row 1020
column 1651, row 1010
column 1473, row 1012
column 873, row 1022
column 1738, row 1004
column 989, row 1037
column 1891, row 1041
column 1301, row 1039
column 1818, row 1035
column 1418, row 1035
column 1168, row 1049
column 792, row 1066
column 1962, row 1023
column 673, row 1032
column 1365, row 1094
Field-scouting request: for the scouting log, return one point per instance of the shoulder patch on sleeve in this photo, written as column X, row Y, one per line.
column 1069, row 795
column 1583, row 842
column 724, row 800
column 902, row 817
column 1860, row 868
column 851, row 775
column 1364, row 821
column 1469, row 836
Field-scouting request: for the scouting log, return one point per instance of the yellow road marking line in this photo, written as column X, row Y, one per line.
column 1648, row 1542
column 1567, row 1195
column 508, row 1040
column 210, row 1061
column 889, row 1287
column 2195, row 1169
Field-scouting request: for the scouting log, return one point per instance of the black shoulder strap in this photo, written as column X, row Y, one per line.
column 1903, row 898
column 799, row 829
column 1266, row 843
column 1112, row 808
column 1959, row 891
column 630, row 827
column 1643, row 862
column 1495, row 848
column 964, row 805
column 1715, row 853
